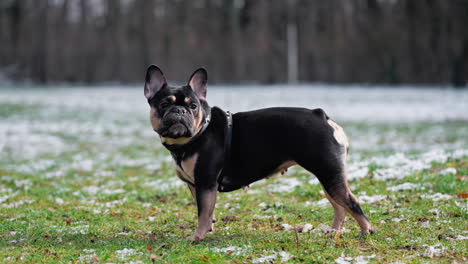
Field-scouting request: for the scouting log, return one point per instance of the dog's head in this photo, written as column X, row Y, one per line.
column 177, row 113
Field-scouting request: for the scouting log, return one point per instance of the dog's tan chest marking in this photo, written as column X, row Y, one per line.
column 186, row 168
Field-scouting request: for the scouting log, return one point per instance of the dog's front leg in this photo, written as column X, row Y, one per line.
column 194, row 196
column 206, row 199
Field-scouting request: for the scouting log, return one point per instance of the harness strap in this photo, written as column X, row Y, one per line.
column 227, row 148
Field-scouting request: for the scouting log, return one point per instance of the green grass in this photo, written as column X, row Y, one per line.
column 93, row 201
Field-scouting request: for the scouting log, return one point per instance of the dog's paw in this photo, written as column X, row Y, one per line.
column 331, row 231
column 365, row 234
column 195, row 238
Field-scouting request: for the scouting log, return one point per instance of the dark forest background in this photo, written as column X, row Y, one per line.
column 337, row 41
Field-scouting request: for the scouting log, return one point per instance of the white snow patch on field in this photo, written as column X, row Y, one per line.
column 285, row 185
column 5, row 197
column 404, row 186
column 438, row 197
column 126, row 252
column 434, row 251
column 93, row 190
column 400, row 165
column 78, row 229
column 113, row 117
column 234, row 250
column 285, row 256
column 164, row 184
column 354, row 260
column 351, row 103
column 17, row 203
column 301, row 228
column 447, row 171
column 320, row 203
column 371, row 198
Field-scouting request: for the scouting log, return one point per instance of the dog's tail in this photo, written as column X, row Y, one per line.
column 339, row 135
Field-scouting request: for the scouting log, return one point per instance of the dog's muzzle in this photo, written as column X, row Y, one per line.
column 176, row 125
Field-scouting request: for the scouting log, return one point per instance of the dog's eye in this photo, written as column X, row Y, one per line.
column 193, row 106
column 164, row 105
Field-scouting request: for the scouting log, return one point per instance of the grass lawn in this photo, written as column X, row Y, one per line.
column 88, row 183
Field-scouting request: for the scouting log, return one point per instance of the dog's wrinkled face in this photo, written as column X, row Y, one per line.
column 177, row 113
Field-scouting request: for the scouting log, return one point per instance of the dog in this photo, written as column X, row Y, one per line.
column 214, row 150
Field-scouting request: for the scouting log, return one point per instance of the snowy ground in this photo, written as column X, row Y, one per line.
column 80, row 141
column 112, row 117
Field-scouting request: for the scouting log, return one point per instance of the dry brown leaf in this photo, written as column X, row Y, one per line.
column 150, row 248
column 96, row 259
column 229, row 218
column 337, row 236
column 160, row 246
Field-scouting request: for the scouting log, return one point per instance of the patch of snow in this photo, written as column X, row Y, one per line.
column 447, row 171
column 306, row 228
column 234, row 249
column 165, row 184
column 7, row 196
column 126, row 252
column 434, row 211
column 286, row 185
column 18, row 203
column 404, row 186
column 371, row 198
column 100, row 190
column 23, row 184
column 320, row 203
column 438, row 197
column 354, row 260
column 285, row 256
column 434, row 251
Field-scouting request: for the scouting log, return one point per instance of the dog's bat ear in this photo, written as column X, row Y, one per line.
column 154, row 81
column 198, row 82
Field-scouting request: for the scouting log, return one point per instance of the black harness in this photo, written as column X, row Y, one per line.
column 178, row 151
column 227, row 150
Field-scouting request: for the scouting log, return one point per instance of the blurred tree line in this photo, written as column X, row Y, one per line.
column 372, row 41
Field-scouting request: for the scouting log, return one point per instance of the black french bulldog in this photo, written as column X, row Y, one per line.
column 216, row 151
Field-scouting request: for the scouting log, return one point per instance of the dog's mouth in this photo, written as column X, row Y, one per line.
column 176, row 130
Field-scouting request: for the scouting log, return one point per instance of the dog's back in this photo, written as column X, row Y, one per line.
column 282, row 135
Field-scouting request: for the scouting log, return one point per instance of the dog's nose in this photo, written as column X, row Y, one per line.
column 180, row 111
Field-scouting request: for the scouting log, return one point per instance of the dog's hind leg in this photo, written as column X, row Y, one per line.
column 340, row 213
column 342, row 195
column 333, row 180
column 192, row 191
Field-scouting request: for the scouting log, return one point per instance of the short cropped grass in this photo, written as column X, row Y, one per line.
column 95, row 188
